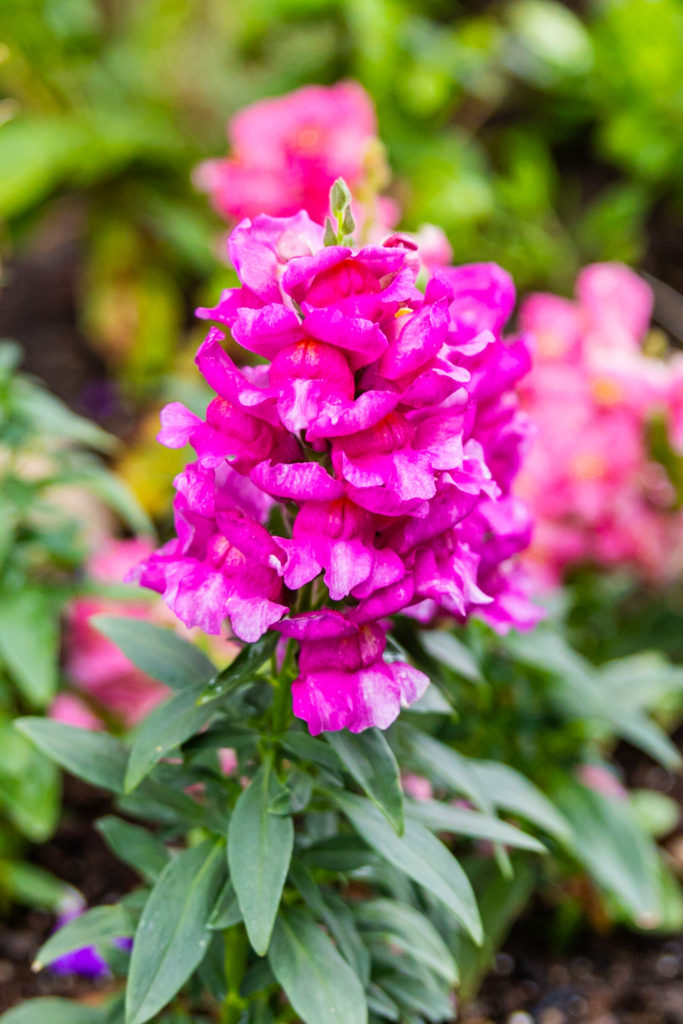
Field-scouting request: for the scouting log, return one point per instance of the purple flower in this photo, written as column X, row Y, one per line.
column 372, row 458
column 86, row 961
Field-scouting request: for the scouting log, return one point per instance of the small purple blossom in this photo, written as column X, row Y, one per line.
column 371, row 459
column 87, row 961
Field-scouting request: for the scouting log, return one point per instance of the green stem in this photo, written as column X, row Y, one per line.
column 235, row 963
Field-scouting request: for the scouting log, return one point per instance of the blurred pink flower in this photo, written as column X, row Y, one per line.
column 287, row 152
column 595, row 491
column 93, row 663
column 72, row 710
column 601, row 779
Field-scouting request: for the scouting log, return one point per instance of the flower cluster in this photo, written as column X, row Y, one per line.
column 597, row 493
column 288, row 151
column 362, row 470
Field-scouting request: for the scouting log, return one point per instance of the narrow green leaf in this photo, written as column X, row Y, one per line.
column 307, row 748
column 52, row 418
column 260, row 847
column 172, row 936
column 165, row 728
column 54, row 1011
column 227, row 911
column 407, row 928
column 115, row 492
column 513, row 792
column 452, row 653
column 501, row 899
column 437, row 761
column 156, row 650
column 370, row 760
column 609, row 843
column 95, row 926
column 316, row 979
column 31, row 885
column 135, row 845
column 243, row 669
column 94, row 756
column 418, row 854
column 29, row 642
column 442, row 817
column 337, row 916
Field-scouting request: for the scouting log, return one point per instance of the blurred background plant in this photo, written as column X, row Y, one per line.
column 58, row 501
column 535, row 135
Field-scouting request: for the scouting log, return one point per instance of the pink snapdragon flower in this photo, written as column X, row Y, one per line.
column 287, row 152
column 369, row 460
column 597, row 493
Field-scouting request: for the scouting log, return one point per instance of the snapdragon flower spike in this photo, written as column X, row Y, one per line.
column 370, row 459
column 599, row 494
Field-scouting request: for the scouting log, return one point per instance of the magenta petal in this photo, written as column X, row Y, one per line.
column 301, row 565
column 362, row 339
column 252, row 617
column 340, row 420
column 267, row 330
column 299, row 481
column 321, row 625
column 177, row 425
column 259, row 249
column 420, row 338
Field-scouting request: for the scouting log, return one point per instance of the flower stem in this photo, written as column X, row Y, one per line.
column 235, row 963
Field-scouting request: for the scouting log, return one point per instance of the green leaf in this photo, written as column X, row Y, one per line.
column 94, row 756
column 31, row 885
column 512, row 792
column 159, row 652
column 442, row 817
column 94, row 927
column 29, row 642
column 318, row 982
column 54, row 1011
column 614, row 850
column 172, row 936
column 101, row 760
column 337, row 916
column 135, row 845
column 115, row 493
column 656, row 813
column 30, row 785
column 436, row 760
column 52, row 419
column 501, row 899
column 342, row 853
column 243, row 669
column 307, row 748
column 418, row 854
column 370, row 760
column 165, row 728
column 260, row 847
column 452, row 653
column 227, row 911
column 404, row 926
